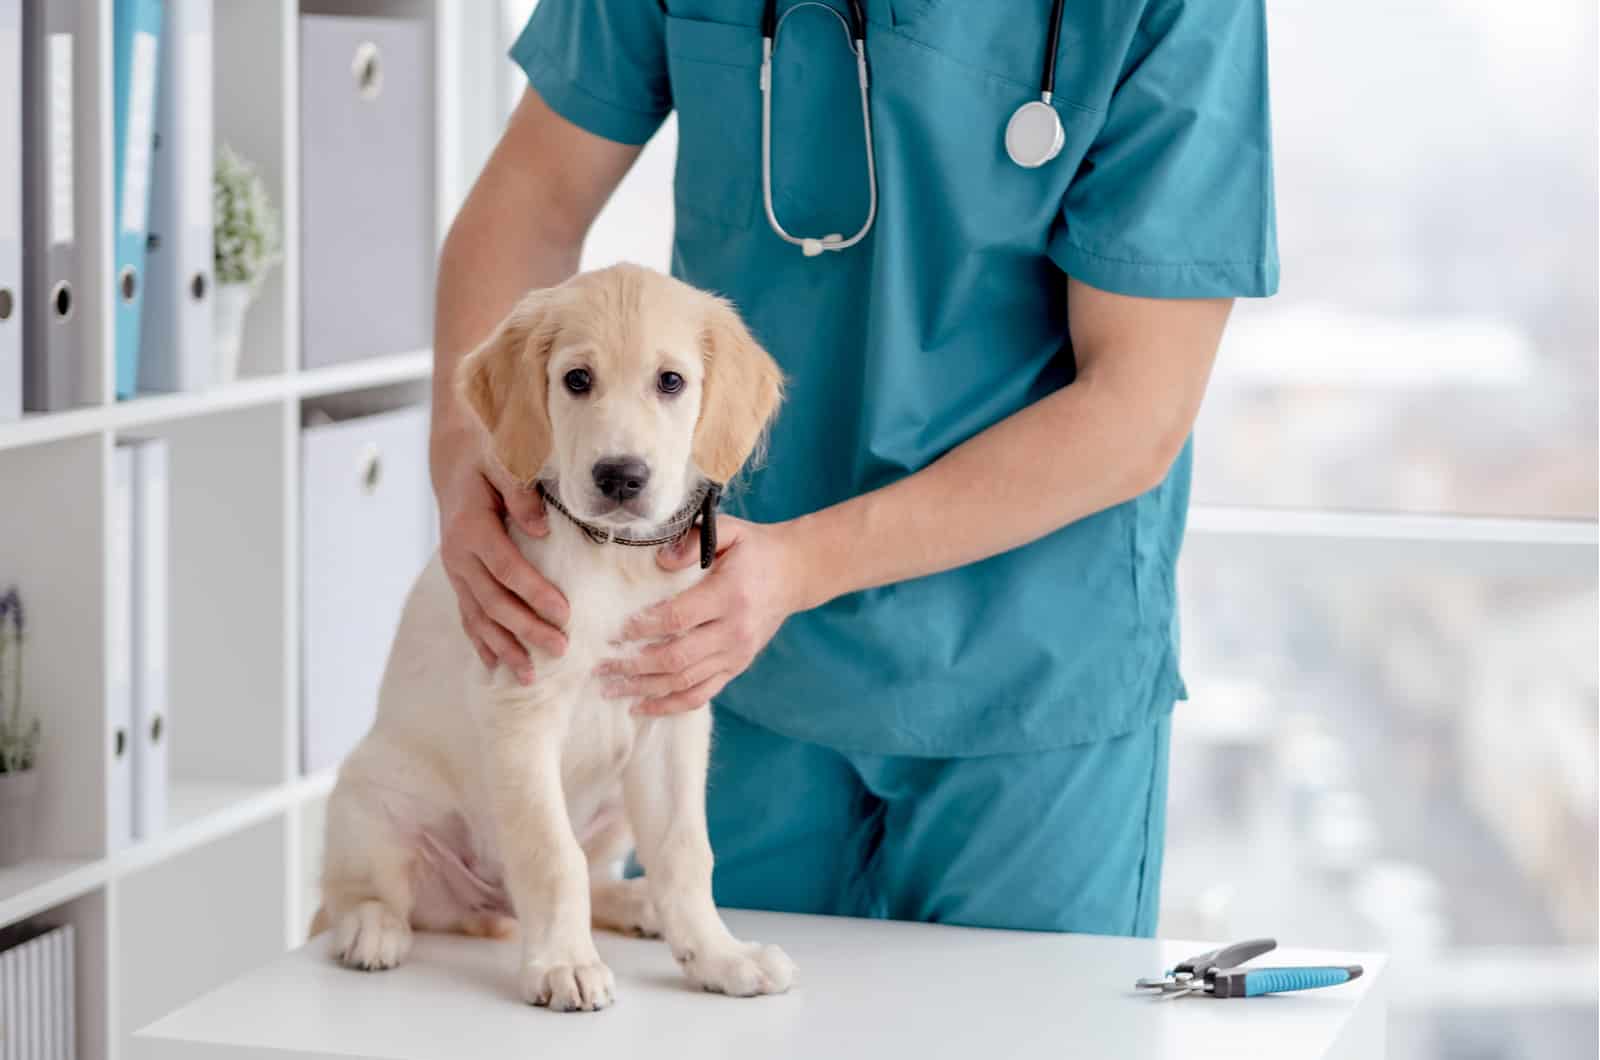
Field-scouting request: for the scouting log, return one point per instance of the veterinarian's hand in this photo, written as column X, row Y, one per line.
column 710, row 632
column 505, row 603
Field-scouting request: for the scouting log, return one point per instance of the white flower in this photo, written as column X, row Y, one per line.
column 246, row 226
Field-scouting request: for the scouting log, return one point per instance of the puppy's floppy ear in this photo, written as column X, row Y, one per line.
column 743, row 388
column 504, row 383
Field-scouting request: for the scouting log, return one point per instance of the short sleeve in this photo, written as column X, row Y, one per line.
column 601, row 66
column 1174, row 198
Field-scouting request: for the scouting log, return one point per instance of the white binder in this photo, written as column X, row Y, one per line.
column 119, row 708
column 150, row 642
column 55, row 366
column 11, row 296
column 175, row 351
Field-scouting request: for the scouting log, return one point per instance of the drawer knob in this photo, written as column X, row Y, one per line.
column 371, row 469
column 367, row 69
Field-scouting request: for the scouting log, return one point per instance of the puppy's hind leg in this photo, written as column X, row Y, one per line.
column 625, row 906
column 616, row 904
column 367, row 893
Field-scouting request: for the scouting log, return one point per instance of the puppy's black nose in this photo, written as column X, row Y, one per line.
column 621, row 478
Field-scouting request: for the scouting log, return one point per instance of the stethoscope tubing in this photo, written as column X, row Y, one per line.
column 1029, row 143
column 855, row 35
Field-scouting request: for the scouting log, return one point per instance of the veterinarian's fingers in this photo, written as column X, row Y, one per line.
column 493, row 643
column 511, row 569
column 685, row 552
column 510, row 612
column 695, row 606
column 526, row 509
column 485, row 654
column 471, row 614
column 693, row 699
column 522, row 503
column 669, row 656
column 506, row 650
column 654, row 686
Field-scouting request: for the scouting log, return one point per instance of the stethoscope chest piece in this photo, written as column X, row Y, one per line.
column 1034, row 135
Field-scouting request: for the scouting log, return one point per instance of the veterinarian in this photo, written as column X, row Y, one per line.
column 943, row 637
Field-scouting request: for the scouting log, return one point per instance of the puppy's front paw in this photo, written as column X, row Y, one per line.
column 372, row 937
column 569, row 987
column 743, row 970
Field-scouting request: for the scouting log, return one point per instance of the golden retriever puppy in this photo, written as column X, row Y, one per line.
column 474, row 800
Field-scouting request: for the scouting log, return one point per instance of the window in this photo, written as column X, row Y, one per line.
column 1433, row 347
column 1398, row 759
column 1391, row 742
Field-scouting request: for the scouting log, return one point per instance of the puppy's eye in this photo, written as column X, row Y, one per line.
column 577, row 381
column 669, row 382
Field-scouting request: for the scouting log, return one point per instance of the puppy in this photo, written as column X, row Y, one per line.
column 474, row 800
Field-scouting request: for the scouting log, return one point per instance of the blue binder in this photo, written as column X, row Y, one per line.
column 135, row 50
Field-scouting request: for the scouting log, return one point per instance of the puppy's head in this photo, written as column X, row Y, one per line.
column 621, row 389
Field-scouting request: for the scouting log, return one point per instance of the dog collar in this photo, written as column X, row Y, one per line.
column 701, row 507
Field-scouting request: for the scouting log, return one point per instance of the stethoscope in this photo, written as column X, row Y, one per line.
column 1033, row 135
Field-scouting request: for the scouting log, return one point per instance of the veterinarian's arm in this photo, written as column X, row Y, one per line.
column 521, row 227
column 1109, row 436
column 1113, row 434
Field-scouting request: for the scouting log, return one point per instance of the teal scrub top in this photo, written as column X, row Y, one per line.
column 950, row 316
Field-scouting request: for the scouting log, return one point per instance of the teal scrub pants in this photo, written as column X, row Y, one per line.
column 1059, row 840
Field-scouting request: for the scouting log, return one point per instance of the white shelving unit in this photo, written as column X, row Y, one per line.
column 225, row 886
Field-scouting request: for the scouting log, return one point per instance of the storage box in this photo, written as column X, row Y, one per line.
column 366, row 199
column 366, row 514
column 37, row 978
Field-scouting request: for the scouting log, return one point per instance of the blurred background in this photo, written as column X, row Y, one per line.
column 1390, row 605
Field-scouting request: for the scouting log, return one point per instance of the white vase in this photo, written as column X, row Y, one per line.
column 227, row 328
column 17, row 817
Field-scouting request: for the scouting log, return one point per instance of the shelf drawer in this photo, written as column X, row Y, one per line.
column 366, row 530
column 366, row 187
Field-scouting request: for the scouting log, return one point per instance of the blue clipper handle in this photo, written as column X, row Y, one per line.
column 1253, row 982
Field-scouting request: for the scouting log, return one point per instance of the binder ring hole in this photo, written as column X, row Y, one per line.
column 197, row 287
column 121, row 743
column 367, row 68
column 128, row 283
column 371, row 469
column 7, row 303
column 61, row 300
column 155, row 729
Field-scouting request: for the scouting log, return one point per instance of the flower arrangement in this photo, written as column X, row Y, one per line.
column 19, row 736
column 246, row 233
